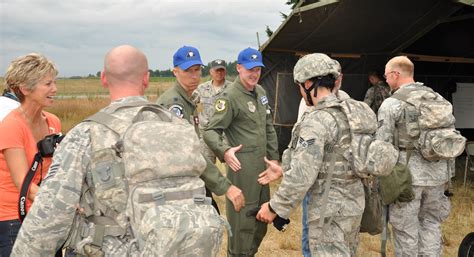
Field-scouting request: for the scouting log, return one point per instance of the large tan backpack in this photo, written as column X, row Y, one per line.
column 430, row 122
column 144, row 193
column 369, row 156
column 369, row 159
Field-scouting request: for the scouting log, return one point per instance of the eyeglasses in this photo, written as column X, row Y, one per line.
column 386, row 74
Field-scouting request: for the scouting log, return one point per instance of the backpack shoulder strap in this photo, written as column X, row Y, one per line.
column 115, row 107
column 110, row 121
column 324, row 200
column 119, row 125
column 162, row 113
column 403, row 93
column 330, row 110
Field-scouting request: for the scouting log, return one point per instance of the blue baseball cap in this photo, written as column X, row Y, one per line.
column 186, row 57
column 250, row 58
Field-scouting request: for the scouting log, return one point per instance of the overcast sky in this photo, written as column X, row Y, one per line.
column 76, row 34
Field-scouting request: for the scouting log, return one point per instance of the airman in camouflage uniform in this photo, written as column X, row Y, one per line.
column 416, row 224
column 335, row 205
column 206, row 93
column 59, row 202
column 377, row 93
column 243, row 114
column 180, row 99
column 303, row 108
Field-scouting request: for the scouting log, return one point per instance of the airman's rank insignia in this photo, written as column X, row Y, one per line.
column 52, row 171
column 221, row 105
column 177, row 109
column 264, row 100
column 306, row 143
column 252, row 107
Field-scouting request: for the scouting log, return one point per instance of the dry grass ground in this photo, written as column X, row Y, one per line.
column 459, row 223
column 91, row 87
column 461, row 220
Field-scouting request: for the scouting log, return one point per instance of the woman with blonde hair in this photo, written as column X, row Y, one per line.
column 33, row 80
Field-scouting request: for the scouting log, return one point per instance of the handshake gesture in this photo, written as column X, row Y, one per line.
column 278, row 222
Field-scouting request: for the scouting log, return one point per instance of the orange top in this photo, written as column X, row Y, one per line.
column 15, row 133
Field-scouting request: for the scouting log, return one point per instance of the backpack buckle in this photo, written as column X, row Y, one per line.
column 201, row 199
column 118, row 148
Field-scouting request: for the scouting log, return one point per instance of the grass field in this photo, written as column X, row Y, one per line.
column 80, row 98
column 92, row 86
column 85, row 100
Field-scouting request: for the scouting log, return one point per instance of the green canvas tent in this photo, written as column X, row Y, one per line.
column 438, row 35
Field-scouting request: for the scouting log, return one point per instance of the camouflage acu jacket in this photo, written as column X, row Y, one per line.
column 306, row 164
column 375, row 95
column 206, row 95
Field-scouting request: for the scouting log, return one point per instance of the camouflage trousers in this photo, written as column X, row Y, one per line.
column 417, row 224
column 339, row 238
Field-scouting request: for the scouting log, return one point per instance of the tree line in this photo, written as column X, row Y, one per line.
column 231, row 68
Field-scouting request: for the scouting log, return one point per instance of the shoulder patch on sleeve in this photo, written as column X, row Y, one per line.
column 53, row 169
column 177, row 109
column 221, row 105
column 305, row 143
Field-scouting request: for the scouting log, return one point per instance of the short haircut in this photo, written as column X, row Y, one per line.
column 402, row 64
column 26, row 71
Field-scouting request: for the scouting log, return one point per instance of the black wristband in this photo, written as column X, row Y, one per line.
column 270, row 208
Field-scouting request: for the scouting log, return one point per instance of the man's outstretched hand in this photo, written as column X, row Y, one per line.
column 230, row 158
column 272, row 173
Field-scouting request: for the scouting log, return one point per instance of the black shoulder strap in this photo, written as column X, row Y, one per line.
column 25, row 186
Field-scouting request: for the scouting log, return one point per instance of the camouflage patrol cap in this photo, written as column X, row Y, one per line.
column 314, row 65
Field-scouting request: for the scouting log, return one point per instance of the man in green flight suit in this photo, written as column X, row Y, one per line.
column 243, row 114
column 187, row 69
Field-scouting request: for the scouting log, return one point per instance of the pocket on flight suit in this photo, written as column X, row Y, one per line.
column 247, row 158
column 250, row 120
column 247, row 225
column 252, row 164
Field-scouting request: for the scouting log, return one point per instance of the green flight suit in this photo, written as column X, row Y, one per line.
column 176, row 100
column 246, row 119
